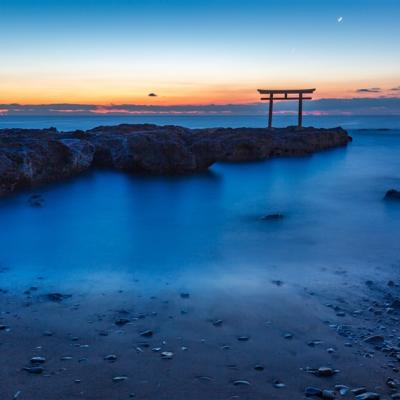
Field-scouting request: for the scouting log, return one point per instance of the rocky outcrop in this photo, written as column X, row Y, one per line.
column 30, row 157
column 392, row 194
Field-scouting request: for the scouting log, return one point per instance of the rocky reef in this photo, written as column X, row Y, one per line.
column 30, row 157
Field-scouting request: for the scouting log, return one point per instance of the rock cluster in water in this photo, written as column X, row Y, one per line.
column 29, row 157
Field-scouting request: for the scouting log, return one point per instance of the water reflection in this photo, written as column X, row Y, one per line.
column 106, row 228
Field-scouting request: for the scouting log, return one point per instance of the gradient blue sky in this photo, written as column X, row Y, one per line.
column 195, row 52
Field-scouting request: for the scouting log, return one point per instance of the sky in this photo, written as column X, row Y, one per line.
column 111, row 53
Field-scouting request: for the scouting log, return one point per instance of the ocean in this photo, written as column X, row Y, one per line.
column 106, row 228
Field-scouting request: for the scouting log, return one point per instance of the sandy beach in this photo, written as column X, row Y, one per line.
column 219, row 344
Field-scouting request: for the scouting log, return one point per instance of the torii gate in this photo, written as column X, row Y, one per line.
column 285, row 93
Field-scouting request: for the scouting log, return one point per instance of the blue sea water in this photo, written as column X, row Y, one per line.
column 104, row 229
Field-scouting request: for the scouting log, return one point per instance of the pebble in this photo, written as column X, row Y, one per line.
column 259, row 367
column 110, row 357
column 312, row 391
column 368, row 396
column 122, row 321
column 342, row 389
column 57, row 297
column 147, row 333
column 38, row 360
column 118, row 379
column 328, row 394
column 167, row 355
column 375, row 340
column 241, row 383
column 324, row 372
column 279, row 384
column 288, row 336
column 357, row 391
column 34, row 370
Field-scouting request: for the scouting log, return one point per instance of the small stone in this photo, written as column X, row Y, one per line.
column 111, row 358
column 243, row 338
column 118, row 379
column 391, row 383
column 38, row 360
column 325, row 372
column 57, row 297
column 241, row 383
column 147, row 333
column 122, row 321
column 259, row 367
column 376, row 340
column 357, row 391
column 368, row 396
column 311, row 391
column 328, row 394
column 288, row 336
column 167, row 355
column 273, row 217
column 279, row 384
column 342, row 389
column 34, row 370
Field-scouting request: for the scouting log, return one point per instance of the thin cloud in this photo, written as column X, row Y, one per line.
column 395, row 89
column 354, row 106
column 369, row 90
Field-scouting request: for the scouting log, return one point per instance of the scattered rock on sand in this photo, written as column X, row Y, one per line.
column 57, row 297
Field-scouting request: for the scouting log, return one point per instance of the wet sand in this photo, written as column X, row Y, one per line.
column 226, row 344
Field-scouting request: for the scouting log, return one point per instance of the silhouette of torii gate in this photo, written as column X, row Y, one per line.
column 285, row 93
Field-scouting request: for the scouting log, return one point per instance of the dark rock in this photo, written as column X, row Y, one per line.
column 311, row 391
column 147, row 333
column 328, row 394
column 38, row 360
column 34, row 370
column 259, row 367
column 111, row 358
column 392, row 194
column 357, row 391
column 29, row 157
column 122, row 321
column 376, row 340
column 273, row 217
column 241, row 383
column 118, row 379
column 57, row 297
column 368, row 396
